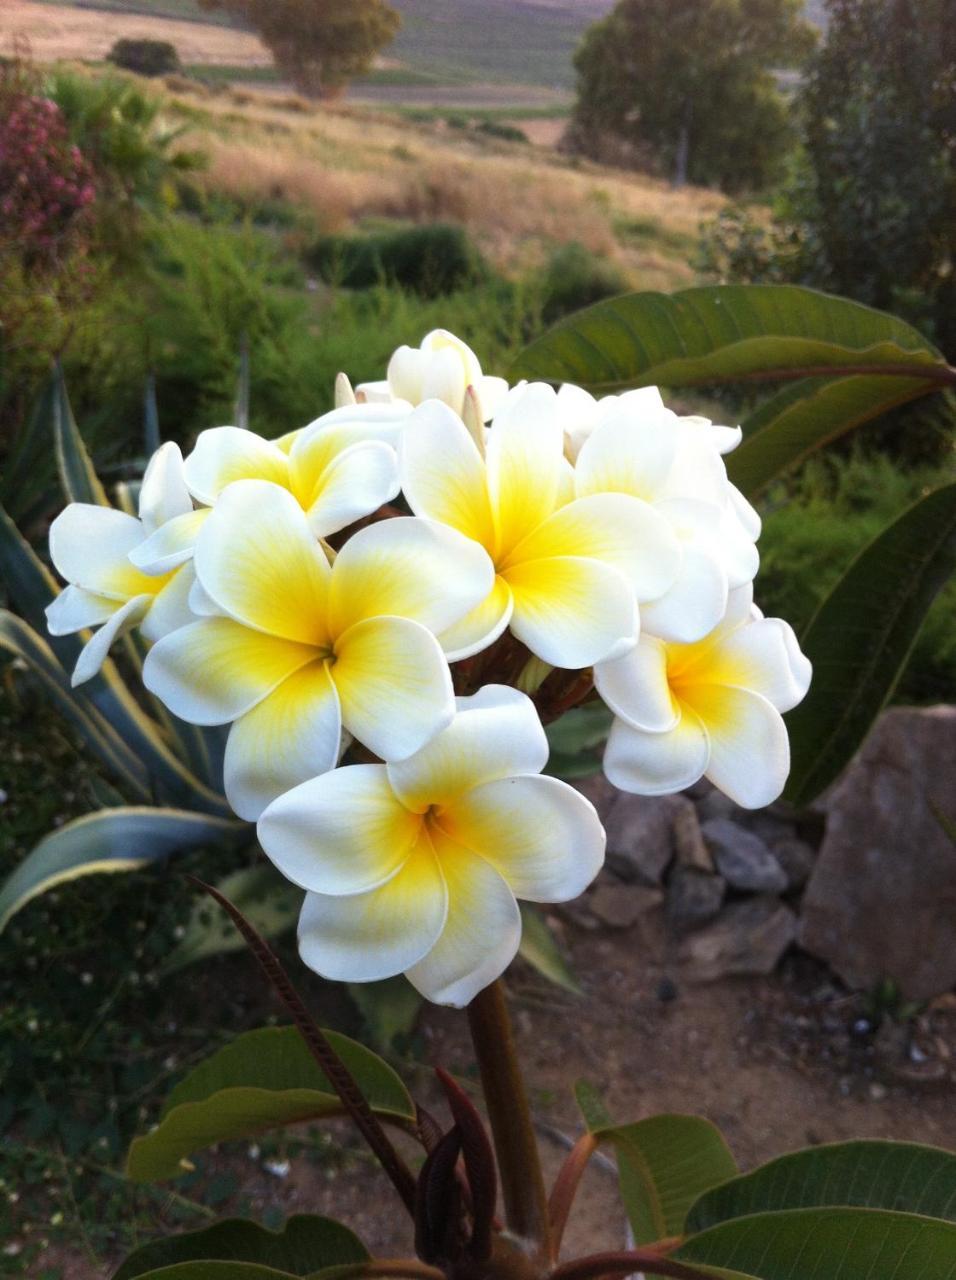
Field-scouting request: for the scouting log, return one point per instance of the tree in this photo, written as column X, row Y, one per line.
column 319, row 44
column 877, row 201
column 687, row 87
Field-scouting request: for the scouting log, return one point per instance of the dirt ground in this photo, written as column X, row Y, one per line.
column 776, row 1063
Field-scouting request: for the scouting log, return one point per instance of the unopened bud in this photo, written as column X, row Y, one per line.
column 532, row 676
column 472, row 417
column 344, row 395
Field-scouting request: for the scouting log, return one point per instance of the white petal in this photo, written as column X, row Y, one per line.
column 163, row 494
column 374, row 393
column 635, row 687
column 380, row 933
column 354, row 484
column 543, row 837
column 481, row 627
column 657, row 764
column 406, row 373
column 495, row 733
column 694, row 605
column 355, row 422
column 74, row 609
column 170, row 607
column 765, row 658
column 491, row 394
column 408, row 568
column 616, row 529
column 343, row 832
column 225, row 454
column 213, row 670
column 745, row 512
column 394, row 685
column 481, row 933
column 444, row 379
column 525, row 463
column 292, row 735
column 572, row 612
column 94, row 653
column 738, row 552
column 577, row 412
column 443, row 474
column 89, row 546
column 749, row 748
column 172, row 544
column 628, row 453
column 440, row 340
column 258, row 560
column 201, row 604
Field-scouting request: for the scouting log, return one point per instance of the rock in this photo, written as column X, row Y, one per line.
column 640, row 841
column 693, row 896
column 881, row 902
column 748, row 937
column 620, row 905
column 742, row 858
column 797, row 858
column 599, row 791
column 714, row 804
column 689, row 846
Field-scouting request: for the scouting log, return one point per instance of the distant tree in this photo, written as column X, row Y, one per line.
column 877, row 201
column 319, row 44
column 688, row 86
column 145, row 57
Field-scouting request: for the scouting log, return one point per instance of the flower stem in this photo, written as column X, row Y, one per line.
column 519, row 1165
column 566, row 1186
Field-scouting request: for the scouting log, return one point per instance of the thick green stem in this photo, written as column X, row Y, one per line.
column 519, row 1165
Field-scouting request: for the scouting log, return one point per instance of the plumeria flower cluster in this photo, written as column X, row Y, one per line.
column 386, row 606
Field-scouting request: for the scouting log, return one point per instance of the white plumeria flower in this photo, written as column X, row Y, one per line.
column 581, row 412
column 569, row 574
column 91, row 547
column 339, row 468
column 294, row 651
column 638, row 447
column 415, row 867
column 441, row 368
column 711, row 709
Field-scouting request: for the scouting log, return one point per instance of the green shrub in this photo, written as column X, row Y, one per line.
column 431, row 261
column 814, row 528
column 507, row 132
column 574, row 278
column 145, row 57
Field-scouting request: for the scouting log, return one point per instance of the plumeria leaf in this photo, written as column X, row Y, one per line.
column 262, row 1080
column 862, row 635
column 805, row 416
column 827, row 1244
column 726, row 333
column 110, row 840
column 21, row 641
column 77, row 473
column 389, row 1009
column 539, row 948
column 306, row 1243
column 593, row 1109
column 215, row 1269
column 267, row 900
column 576, row 741
column 864, row 1174
column 664, row 1164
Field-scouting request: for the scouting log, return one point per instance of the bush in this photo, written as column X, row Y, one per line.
column 574, row 278
column 145, row 57
column 431, row 261
column 816, row 525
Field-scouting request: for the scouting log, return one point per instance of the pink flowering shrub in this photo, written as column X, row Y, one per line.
column 45, row 182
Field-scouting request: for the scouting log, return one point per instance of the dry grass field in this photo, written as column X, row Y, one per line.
column 64, row 32
column 349, row 165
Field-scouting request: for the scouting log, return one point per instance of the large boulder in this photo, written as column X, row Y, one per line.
column 881, row 902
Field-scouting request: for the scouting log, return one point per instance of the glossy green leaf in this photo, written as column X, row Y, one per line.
column 261, row 1080
column 539, row 948
column 77, row 473
column 827, row 1244
column 664, row 1165
column 576, row 741
column 862, row 635
column 724, row 333
column 21, row 641
column 807, row 415
column 110, row 840
column 306, row 1243
column 902, row 1176
column 593, row 1110
column 269, row 902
